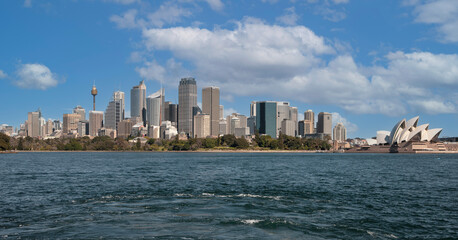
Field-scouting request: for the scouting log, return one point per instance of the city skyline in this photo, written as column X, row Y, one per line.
column 385, row 56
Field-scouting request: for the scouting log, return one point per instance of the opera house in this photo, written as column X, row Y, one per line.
column 407, row 136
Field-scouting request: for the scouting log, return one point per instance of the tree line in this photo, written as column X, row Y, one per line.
column 105, row 143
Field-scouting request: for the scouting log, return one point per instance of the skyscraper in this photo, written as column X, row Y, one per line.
column 324, row 124
column 115, row 111
column 202, row 125
column 266, row 118
column 187, row 98
column 70, row 123
column 153, row 108
column 210, row 105
column 339, row 132
column 120, row 96
column 95, row 122
column 173, row 114
column 33, row 124
column 80, row 110
column 309, row 122
column 138, row 100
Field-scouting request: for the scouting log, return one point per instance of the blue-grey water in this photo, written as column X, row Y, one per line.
column 228, row 196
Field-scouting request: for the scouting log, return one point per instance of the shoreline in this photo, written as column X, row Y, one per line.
column 230, row 151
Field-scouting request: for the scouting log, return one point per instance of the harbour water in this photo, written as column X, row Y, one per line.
column 228, row 196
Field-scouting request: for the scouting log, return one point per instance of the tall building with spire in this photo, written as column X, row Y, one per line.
column 187, row 99
column 94, row 93
column 210, row 105
column 138, row 100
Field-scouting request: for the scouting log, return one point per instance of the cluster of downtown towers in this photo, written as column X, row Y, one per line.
column 154, row 117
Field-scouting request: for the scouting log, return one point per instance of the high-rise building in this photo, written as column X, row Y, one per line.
column 115, row 111
column 95, row 122
column 221, row 112
column 80, row 110
column 309, row 115
column 166, row 107
column 324, row 124
column 153, row 108
column 309, row 122
column 49, row 126
column 121, row 97
column 210, row 105
column 339, row 133
column 202, row 125
column 266, row 118
column 253, row 109
column 241, row 122
column 222, row 127
column 83, row 128
column 138, row 100
column 173, row 114
column 57, row 125
column 187, row 99
column 125, row 128
column 288, row 127
column 33, row 124
column 70, row 123
column 251, row 123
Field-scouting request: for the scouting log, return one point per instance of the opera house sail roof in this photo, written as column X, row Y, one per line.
column 406, row 131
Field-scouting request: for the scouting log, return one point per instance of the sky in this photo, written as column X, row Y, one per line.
column 370, row 63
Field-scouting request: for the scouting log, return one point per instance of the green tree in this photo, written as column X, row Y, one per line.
column 138, row 145
column 241, row 143
column 4, row 142
column 20, row 145
column 209, row 143
column 228, row 140
column 73, row 145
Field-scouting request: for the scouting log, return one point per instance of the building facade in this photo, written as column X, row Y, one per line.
column 138, row 100
column 210, row 105
column 339, row 133
column 324, row 124
column 95, row 122
column 70, row 123
column 202, row 125
column 187, row 99
column 266, row 118
column 80, row 110
column 153, row 108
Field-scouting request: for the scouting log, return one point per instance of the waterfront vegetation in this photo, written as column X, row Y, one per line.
column 105, row 143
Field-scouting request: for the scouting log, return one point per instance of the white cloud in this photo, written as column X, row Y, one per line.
column 127, row 20
column 443, row 13
column 288, row 63
column 290, row 17
column 2, row 74
column 28, row 3
column 36, row 76
column 167, row 13
column 337, row 118
column 216, row 5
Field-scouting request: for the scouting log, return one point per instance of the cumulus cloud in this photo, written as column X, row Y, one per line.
column 290, row 17
column 257, row 59
column 442, row 13
column 2, row 74
column 35, row 76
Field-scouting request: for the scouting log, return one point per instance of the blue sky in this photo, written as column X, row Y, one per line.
column 371, row 63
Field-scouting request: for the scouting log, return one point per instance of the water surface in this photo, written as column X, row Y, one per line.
column 228, row 196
